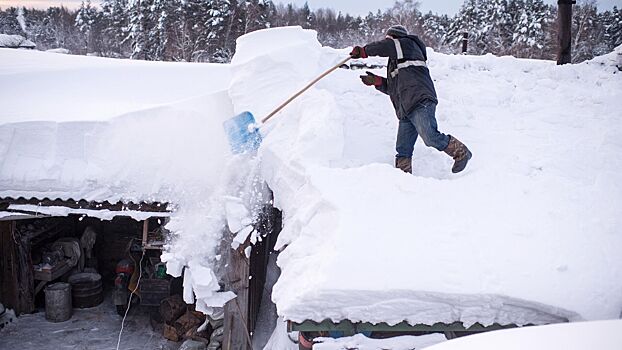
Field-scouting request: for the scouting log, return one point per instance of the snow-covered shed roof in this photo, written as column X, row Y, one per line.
column 15, row 42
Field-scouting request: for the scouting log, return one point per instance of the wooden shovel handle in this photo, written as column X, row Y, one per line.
column 278, row 109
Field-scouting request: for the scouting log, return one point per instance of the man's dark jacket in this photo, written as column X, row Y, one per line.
column 413, row 84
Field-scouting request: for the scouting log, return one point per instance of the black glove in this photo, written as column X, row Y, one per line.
column 371, row 79
column 358, row 52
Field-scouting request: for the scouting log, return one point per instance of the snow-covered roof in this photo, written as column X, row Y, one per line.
column 15, row 41
column 529, row 233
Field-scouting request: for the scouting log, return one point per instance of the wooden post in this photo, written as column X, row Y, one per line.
column 236, row 325
column 145, row 233
column 564, row 22
column 8, row 287
column 17, row 274
column 465, row 42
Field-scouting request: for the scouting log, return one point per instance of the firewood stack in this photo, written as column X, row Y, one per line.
column 182, row 322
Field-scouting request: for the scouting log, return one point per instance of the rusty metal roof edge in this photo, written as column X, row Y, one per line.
column 144, row 206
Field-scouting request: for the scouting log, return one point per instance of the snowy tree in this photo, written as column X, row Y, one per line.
column 612, row 28
column 254, row 15
column 530, row 21
column 86, row 19
column 434, row 29
column 467, row 20
column 584, row 34
column 139, row 24
column 115, row 26
column 406, row 13
column 9, row 23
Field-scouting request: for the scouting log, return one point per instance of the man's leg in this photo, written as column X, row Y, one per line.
column 424, row 118
column 406, row 138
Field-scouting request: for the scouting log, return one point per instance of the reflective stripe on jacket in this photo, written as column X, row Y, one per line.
column 408, row 80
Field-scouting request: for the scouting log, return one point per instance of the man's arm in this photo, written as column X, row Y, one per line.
column 382, row 48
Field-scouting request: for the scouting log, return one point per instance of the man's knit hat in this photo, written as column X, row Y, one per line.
column 397, row 31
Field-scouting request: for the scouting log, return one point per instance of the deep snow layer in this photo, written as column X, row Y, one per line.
column 41, row 86
column 529, row 233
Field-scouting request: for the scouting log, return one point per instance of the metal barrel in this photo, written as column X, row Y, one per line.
column 86, row 290
column 58, row 302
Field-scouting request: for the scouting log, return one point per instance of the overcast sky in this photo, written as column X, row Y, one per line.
column 354, row 7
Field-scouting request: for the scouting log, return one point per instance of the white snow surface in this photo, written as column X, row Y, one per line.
column 529, row 233
column 360, row 342
column 601, row 335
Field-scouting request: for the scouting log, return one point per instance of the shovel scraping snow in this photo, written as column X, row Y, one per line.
column 243, row 131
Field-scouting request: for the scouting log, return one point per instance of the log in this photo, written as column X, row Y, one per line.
column 186, row 322
column 170, row 333
column 172, row 308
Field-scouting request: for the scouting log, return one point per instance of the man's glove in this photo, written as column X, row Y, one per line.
column 371, row 79
column 358, row 52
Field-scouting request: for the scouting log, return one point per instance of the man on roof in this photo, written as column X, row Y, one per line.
column 412, row 93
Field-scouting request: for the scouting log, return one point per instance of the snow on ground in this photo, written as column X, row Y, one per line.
column 529, row 233
column 601, row 335
column 93, row 328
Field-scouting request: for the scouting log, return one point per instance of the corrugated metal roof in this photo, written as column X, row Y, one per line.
column 157, row 207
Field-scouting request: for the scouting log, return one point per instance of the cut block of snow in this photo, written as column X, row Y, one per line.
column 238, row 216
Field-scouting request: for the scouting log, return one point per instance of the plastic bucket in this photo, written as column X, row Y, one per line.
column 58, row 302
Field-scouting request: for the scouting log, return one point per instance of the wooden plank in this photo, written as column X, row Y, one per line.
column 49, row 275
column 236, row 325
column 145, row 232
column 8, row 287
column 25, row 273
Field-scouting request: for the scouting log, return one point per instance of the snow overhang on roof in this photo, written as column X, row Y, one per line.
column 23, row 208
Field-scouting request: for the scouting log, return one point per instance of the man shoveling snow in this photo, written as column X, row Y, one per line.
column 412, row 93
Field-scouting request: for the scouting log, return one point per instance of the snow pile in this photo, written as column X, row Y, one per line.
column 523, row 236
column 601, row 335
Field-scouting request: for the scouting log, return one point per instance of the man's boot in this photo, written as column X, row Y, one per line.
column 404, row 163
column 459, row 152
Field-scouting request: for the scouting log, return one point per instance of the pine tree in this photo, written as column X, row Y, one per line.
column 584, row 32
column 467, row 20
column 86, row 20
column 612, row 25
column 115, row 26
column 529, row 34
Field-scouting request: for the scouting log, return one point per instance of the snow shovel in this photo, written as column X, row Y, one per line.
column 243, row 131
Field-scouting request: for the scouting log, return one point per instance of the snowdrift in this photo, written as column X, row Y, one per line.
column 529, row 233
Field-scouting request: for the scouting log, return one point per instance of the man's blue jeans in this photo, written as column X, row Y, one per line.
column 420, row 122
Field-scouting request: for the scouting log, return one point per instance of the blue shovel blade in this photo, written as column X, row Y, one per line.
column 242, row 139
